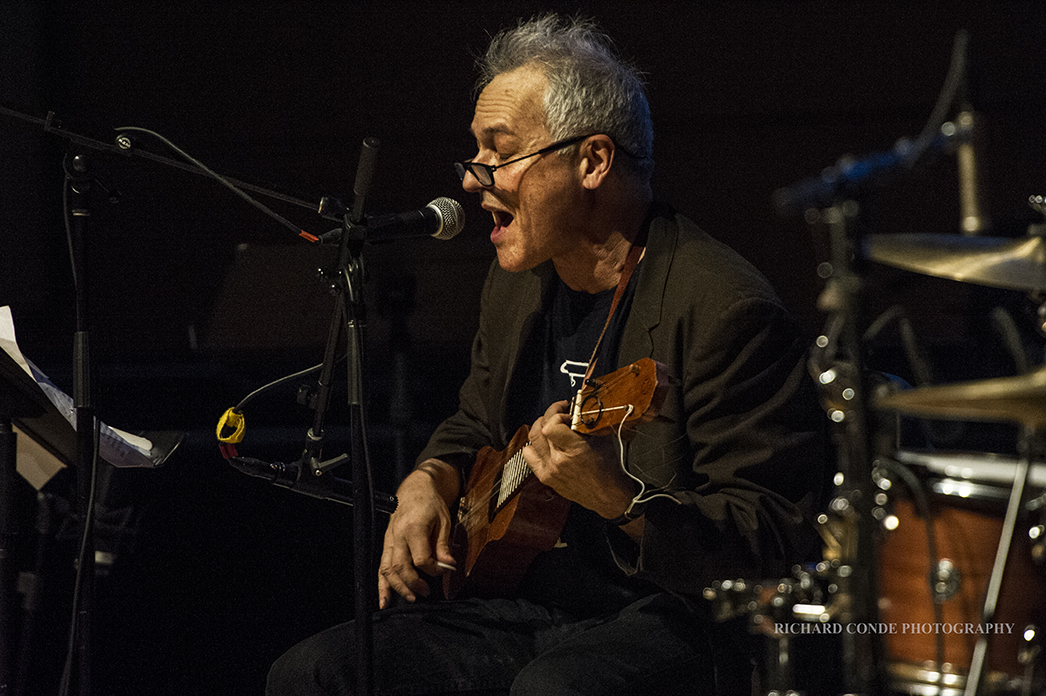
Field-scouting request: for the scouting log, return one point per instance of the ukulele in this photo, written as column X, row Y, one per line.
column 506, row 516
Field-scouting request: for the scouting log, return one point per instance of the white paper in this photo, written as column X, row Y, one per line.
column 116, row 446
column 35, row 464
column 8, row 341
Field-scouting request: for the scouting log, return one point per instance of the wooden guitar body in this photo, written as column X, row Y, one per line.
column 506, row 517
column 499, row 542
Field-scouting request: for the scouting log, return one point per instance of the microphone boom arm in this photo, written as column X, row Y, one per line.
column 290, row 476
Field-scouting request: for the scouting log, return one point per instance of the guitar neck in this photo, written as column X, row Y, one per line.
column 516, row 470
column 628, row 395
column 514, row 474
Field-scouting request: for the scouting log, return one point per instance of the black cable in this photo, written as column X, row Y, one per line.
column 357, row 329
column 222, row 180
column 953, row 82
column 1006, row 328
column 68, row 224
column 272, row 385
column 81, row 561
column 74, row 625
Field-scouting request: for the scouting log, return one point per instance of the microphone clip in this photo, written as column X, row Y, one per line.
column 332, row 209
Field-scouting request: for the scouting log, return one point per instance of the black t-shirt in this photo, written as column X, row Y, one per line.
column 572, row 328
column 580, row 574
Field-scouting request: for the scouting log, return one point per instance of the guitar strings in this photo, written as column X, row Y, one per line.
column 519, row 472
column 611, row 408
column 515, row 471
column 512, row 479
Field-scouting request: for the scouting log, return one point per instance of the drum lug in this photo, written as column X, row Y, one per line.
column 1030, row 649
column 945, row 581
column 1037, row 534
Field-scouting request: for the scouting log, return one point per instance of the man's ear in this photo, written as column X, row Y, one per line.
column 596, row 158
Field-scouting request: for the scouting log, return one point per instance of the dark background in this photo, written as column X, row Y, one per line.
column 197, row 298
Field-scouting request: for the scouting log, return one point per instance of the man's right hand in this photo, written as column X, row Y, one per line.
column 418, row 535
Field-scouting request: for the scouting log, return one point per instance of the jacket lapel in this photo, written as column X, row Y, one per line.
column 636, row 341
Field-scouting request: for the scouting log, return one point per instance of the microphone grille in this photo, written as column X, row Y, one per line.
column 451, row 214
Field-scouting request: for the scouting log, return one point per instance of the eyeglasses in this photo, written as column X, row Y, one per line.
column 484, row 173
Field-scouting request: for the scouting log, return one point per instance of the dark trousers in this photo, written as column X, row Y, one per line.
column 654, row 645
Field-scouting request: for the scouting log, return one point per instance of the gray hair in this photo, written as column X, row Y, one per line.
column 591, row 89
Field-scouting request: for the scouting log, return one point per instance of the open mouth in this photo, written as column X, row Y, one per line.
column 501, row 218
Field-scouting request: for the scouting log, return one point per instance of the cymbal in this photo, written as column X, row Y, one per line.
column 1020, row 399
column 998, row 262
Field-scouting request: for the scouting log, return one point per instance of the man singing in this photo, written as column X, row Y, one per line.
column 724, row 484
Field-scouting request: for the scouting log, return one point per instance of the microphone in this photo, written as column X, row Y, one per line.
column 442, row 218
column 974, row 221
column 969, row 126
column 291, row 477
column 848, row 177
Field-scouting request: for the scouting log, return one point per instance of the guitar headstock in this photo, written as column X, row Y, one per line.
column 633, row 394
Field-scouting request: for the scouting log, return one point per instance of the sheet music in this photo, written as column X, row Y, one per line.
column 7, row 339
column 117, row 447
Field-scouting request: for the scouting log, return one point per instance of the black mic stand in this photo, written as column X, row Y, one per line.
column 349, row 311
column 78, row 186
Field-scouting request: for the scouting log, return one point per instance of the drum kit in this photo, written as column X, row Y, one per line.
column 984, row 599
column 958, row 554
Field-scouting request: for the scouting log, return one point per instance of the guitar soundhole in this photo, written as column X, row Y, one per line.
column 591, row 410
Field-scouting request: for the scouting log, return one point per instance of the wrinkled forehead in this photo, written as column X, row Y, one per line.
column 512, row 104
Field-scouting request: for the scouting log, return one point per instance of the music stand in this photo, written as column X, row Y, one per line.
column 24, row 404
column 20, row 401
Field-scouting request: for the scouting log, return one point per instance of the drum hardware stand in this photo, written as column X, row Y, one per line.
column 809, row 597
column 830, row 199
column 846, row 386
column 1037, row 533
column 842, row 588
column 1030, row 441
column 1038, row 204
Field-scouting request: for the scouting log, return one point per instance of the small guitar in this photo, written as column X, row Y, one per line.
column 506, row 517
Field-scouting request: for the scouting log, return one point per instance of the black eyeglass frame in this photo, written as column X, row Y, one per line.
column 463, row 168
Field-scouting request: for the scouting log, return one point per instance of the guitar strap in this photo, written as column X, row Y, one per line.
column 634, row 254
